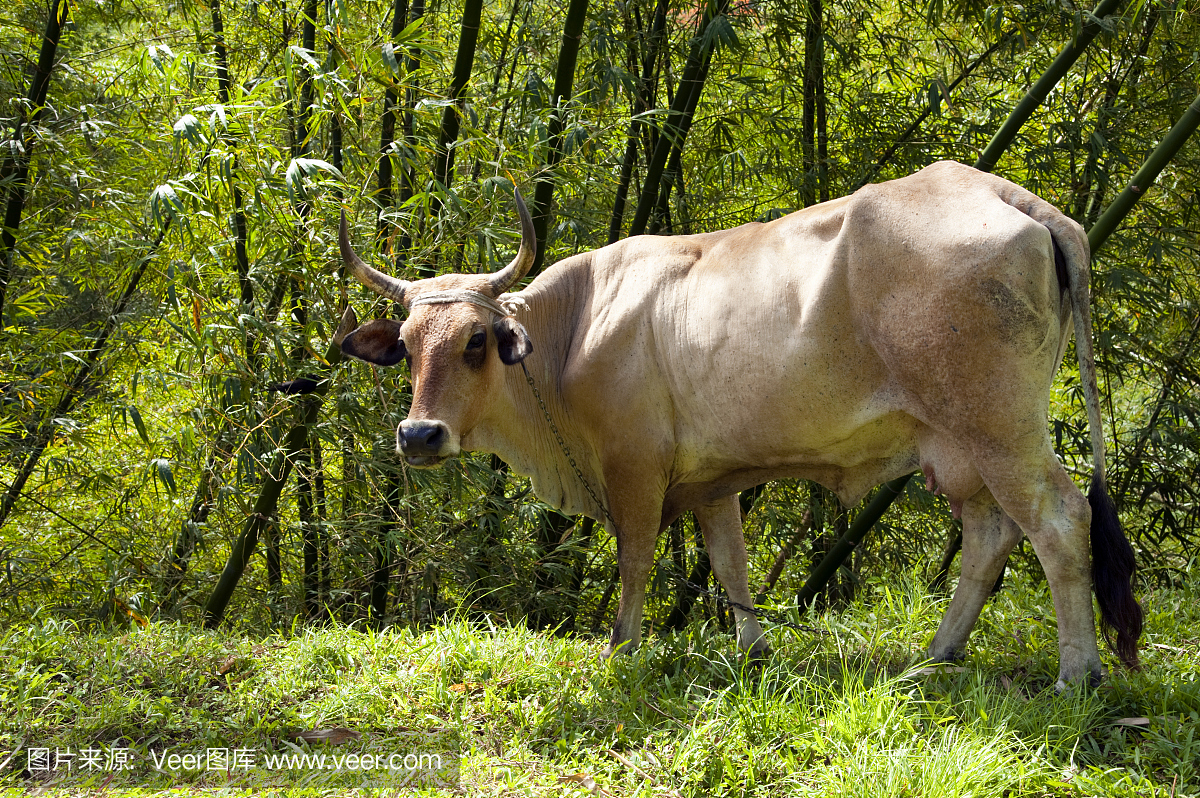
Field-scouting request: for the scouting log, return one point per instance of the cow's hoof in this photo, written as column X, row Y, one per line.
column 613, row 649
column 754, row 662
column 1078, row 668
column 1092, row 678
column 950, row 656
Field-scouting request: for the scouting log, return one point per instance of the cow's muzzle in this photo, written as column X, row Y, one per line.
column 424, row 443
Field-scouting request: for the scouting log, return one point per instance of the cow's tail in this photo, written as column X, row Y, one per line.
column 1113, row 561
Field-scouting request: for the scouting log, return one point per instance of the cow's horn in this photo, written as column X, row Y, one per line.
column 506, row 277
column 377, row 281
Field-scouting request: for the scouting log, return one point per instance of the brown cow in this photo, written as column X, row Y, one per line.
column 915, row 324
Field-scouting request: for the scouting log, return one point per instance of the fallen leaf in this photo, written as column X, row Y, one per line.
column 125, row 608
column 1133, row 722
column 930, row 670
column 226, row 666
column 585, row 781
column 332, row 736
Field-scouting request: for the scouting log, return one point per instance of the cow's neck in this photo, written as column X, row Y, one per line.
column 517, row 429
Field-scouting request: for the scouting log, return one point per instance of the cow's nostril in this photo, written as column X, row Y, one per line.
column 422, row 438
column 433, row 438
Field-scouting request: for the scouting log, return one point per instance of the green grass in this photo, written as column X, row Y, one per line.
column 848, row 713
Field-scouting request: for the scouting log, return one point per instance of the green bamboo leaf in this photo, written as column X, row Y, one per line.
column 300, row 168
column 138, row 424
column 216, row 114
column 9, row 426
column 389, row 58
column 162, row 470
column 165, row 204
column 188, row 126
column 414, row 32
column 945, row 92
column 157, row 51
column 935, row 98
column 307, row 57
column 720, row 35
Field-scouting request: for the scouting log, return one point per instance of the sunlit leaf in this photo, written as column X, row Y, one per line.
column 162, row 470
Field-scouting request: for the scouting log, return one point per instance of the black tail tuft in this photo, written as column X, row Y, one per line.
column 1112, row 574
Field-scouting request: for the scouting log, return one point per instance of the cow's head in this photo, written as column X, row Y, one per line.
column 457, row 340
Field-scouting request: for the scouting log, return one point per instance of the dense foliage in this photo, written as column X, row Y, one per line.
column 175, row 262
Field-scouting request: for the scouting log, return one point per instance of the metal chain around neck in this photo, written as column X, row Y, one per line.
column 773, row 617
column 567, row 449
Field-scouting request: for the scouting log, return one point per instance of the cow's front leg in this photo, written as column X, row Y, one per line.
column 721, row 523
column 635, row 556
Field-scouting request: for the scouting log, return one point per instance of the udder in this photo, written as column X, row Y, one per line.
column 948, row 467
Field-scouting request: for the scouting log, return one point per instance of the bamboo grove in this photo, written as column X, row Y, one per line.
column 179, row 437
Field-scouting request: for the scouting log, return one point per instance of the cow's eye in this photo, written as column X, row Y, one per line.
column 478, row 340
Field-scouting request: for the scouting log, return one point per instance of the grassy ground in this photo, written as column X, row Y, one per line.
column 847, row 713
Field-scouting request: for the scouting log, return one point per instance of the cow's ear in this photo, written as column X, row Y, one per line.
column 377, row 341
column 511, row 340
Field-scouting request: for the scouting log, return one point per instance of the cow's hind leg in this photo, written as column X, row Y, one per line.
column 1037, row 492
column 721, row 523
column 989, row 535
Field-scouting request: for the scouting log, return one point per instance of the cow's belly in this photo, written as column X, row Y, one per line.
column 849, row 452
column 850, row 482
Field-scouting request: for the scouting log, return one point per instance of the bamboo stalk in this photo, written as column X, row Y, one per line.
column 685, row 595
column 204, row 499
column 641, row 104
column 408, row 171
column 953, row 546
column 1049, row 79
column 224, row 88
column 387, row 134
column 808, row 124
column 674, row 168
column 294, row 443
column 785, row 553
column 496, row 76
column 385, row 549
column 1145, row 177
column 887, row 493
column 264, row 507
column 16, row 168
column 443, row 164
column 690, row 85
column 564, row 81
